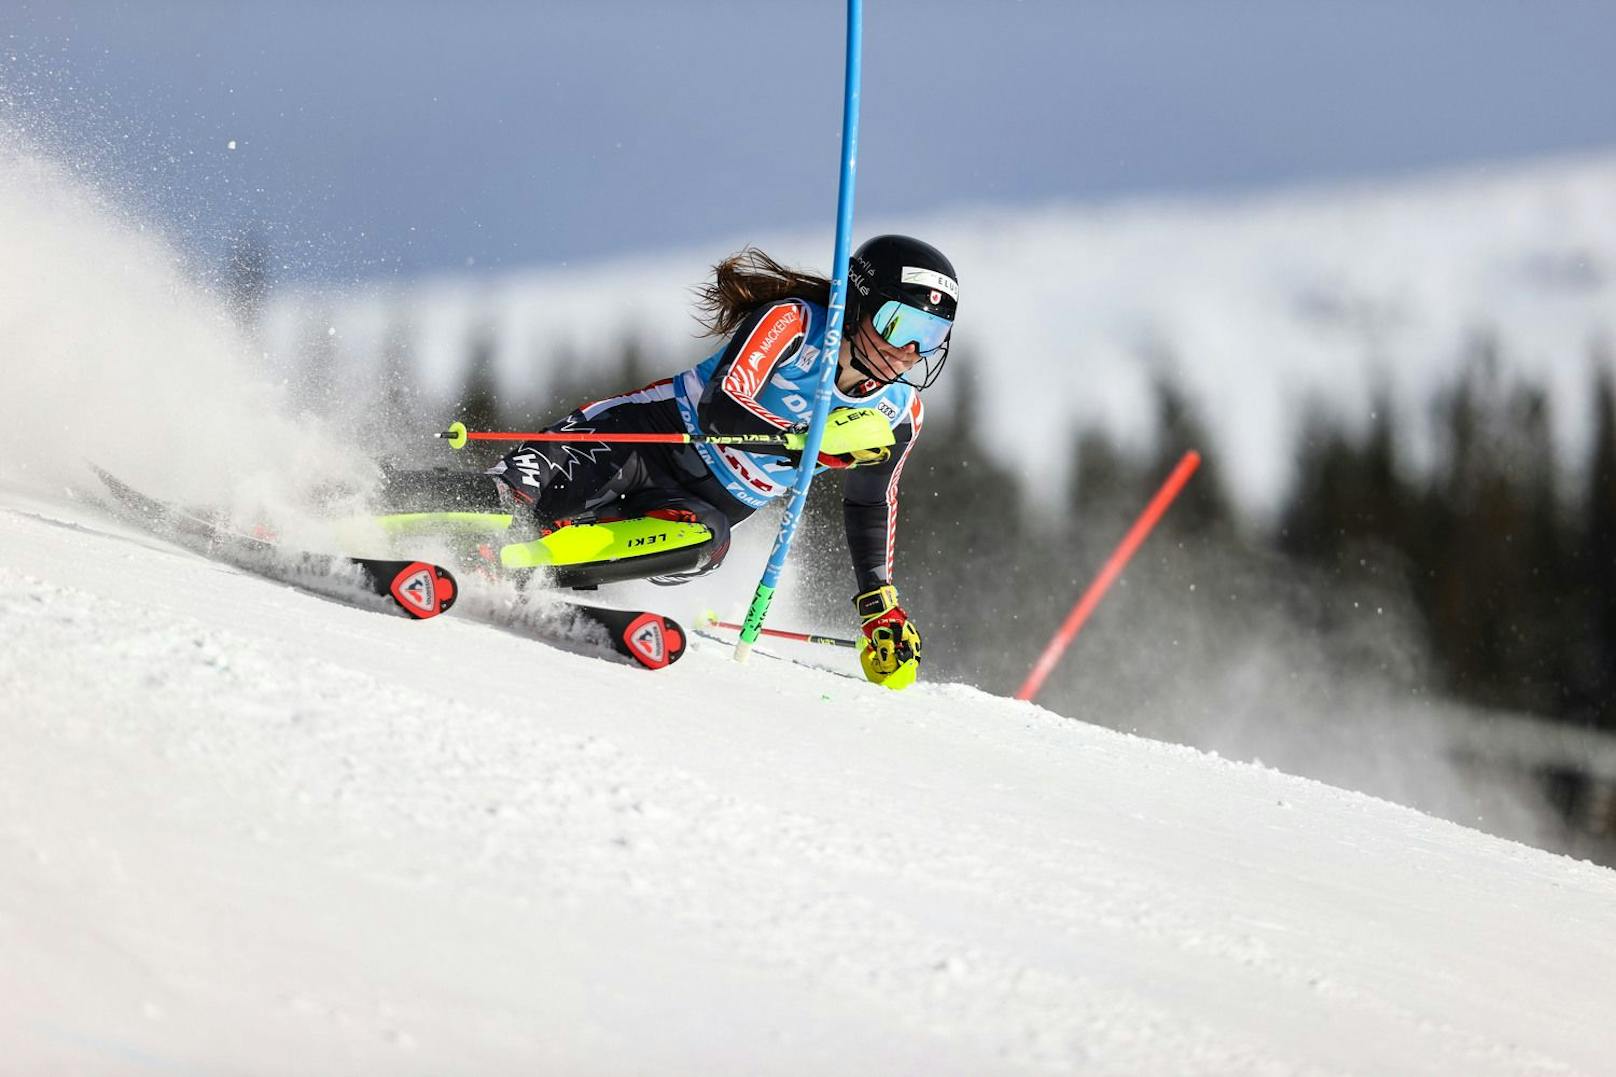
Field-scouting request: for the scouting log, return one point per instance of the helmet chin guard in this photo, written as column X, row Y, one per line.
column 930, row 365
column 909, row 291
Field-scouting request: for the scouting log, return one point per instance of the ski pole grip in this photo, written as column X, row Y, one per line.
column 455, row 435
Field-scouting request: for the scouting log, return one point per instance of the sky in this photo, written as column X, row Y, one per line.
column 366, row 139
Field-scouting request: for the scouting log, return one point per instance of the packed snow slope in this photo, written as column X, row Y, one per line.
column 244, row 829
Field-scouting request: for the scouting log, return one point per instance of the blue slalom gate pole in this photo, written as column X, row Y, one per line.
column 759, row 609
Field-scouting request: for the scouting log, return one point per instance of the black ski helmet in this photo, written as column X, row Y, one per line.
column 908, row 271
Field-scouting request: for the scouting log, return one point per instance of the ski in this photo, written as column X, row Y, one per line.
column 652, row 640
column 419, row 589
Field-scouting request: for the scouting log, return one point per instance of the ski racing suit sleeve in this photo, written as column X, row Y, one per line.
column 770, row 336
column 870, row 506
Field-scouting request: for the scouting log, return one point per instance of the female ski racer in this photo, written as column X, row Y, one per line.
column 901, row 302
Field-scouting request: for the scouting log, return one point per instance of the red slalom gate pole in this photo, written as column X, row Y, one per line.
column 1108, row 574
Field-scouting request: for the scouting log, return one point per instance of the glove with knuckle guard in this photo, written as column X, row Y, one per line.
column 854, row 437
column 891, row 655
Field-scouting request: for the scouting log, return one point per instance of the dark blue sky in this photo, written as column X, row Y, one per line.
column 379, row 138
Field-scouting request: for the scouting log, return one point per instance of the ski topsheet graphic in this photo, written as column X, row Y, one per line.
column 420, row 588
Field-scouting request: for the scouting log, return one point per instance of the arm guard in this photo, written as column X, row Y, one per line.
column 870, row 508
column 770, row 336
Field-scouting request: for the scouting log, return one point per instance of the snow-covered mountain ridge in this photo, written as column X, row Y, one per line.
column 1255, row 304
column 248, row 829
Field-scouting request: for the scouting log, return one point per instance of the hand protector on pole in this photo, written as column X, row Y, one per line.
column 891, row 654
column 854, row 437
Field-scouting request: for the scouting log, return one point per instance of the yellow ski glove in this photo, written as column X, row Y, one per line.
column 854, row 437
column 891, row 654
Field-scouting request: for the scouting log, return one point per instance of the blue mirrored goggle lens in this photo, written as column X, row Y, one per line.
column 900, row 325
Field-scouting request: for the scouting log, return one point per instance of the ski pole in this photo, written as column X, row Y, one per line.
column 457, row 435
column 712, row 621
column 1108, row 573
column 835, row 311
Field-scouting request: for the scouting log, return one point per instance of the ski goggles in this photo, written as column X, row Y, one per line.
column 900, row 325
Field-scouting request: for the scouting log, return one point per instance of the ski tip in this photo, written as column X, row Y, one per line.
column 654, row 641
column 423, row 589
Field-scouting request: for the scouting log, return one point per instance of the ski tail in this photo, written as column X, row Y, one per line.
column 419, row 588
column 652, row 640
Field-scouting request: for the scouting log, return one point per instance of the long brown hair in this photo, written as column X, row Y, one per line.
column 747, row 280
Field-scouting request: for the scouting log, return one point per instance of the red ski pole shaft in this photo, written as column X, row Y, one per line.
column 780, row 633
column 569, row 435
column 1108, row 574
column 457, row 435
